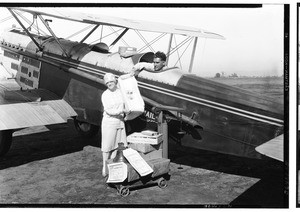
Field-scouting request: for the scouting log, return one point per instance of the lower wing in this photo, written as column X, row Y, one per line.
column 26, row 113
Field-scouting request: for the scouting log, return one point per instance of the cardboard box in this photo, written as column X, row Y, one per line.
column 160, row 166
column 125, row 51
column 144, row 148
column 132, row 97
column 132, row 174
column 154, row 159
column 152, row 155
column 146, row 139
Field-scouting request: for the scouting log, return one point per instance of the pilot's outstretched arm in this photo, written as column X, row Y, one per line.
column 143, row 66
column 137, row 68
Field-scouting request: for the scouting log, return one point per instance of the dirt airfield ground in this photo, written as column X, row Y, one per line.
column 59, row 167
column 54, row 167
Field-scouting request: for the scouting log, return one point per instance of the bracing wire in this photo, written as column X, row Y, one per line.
column 179, row 58
column 28, row 21
column 144, row 40
column 115, row 32
column 179, row 45
column 177, row 51
column 80, row 31
column 37, row 27
column 29, row 27
column 9, row 17
column 105, row 36
column 5, row 19
column 153, row 41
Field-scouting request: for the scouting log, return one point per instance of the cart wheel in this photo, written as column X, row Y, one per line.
column 123, row 191
column 162, row 183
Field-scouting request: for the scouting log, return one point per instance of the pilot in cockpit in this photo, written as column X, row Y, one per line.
column 159, row 64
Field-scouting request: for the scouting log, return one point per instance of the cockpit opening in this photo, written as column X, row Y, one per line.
column 100, row 47
column 143, row 57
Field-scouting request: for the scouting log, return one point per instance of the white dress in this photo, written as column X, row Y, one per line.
column 113, row 127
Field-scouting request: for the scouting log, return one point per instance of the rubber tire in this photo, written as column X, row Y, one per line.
column 91, row 130
column 5, row 141
column 124, row 191
column 162, row 183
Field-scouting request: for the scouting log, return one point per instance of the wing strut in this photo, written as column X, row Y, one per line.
column 33, row 25
column 89, row 33
column 193, row 55
column 119, row 37
column 52, row 33
column 27, row 32
column 169, row 48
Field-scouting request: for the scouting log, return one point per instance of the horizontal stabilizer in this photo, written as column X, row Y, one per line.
column 272, row 148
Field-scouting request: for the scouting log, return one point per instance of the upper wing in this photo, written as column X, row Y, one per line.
column 272, row 148
column 122, row 22
column 21, row 113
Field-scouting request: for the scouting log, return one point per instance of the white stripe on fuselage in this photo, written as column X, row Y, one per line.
column 183, row 96
column 222, row 109
column 208, row 102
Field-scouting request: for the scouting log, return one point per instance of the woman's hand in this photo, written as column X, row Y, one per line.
column 126, row 111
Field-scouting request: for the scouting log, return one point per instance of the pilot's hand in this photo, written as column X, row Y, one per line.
column 126, row 112
column 134, row 72
column 134, row 69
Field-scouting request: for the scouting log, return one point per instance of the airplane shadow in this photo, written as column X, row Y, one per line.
column 59, row 140
column 269, row 192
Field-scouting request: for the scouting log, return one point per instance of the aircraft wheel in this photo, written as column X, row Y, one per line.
column 162, row 183
column 124, row 191
column 86, row 129
column 5, row 141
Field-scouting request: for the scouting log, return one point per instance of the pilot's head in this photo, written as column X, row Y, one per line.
column 110, row 81
column 159, row 61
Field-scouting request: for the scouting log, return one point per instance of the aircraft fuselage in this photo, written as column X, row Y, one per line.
column 234, row 121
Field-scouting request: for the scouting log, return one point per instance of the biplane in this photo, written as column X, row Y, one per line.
column 62, row 79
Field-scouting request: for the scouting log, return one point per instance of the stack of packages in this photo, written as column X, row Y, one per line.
column 147, row 143
column 149, row 146
column 144, row 157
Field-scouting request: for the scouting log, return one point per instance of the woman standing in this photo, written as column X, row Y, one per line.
column 113, row 127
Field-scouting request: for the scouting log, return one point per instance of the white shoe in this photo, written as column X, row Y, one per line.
column 104, row 173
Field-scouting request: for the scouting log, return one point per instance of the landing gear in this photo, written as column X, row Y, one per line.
column 123, row 191
column 162, row 183
column 5, row 141
column 86, row 129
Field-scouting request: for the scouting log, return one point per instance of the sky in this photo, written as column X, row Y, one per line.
column 253, row 44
